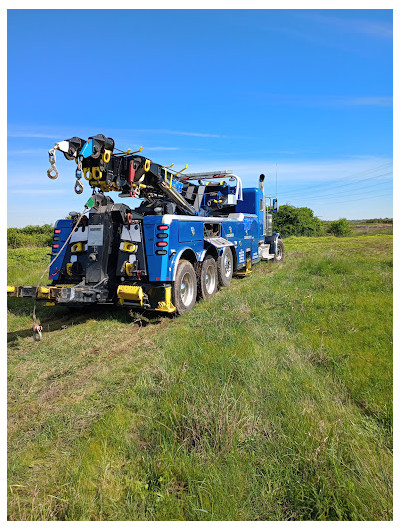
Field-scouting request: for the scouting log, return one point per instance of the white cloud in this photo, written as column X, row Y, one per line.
column 60, row 133
column 294, row 172
column 315, row 100
column 373, row 101
column 182, row 133
column 295, row 179
column 27, row 152
column 34, row 191
column 368, row 27
column 31, row 134
column 375, row 28
column 161, row 148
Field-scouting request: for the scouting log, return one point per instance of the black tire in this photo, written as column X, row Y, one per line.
column 184, row 289
column 208, row 281
column 280, row 252
column 225, row 267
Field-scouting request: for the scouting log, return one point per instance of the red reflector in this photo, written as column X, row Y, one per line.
column 55, row 246
column 163, row 227
column 162, row 244
column 157, row 278
column 57, row 231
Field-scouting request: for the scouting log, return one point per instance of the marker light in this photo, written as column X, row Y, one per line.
column 163, row 227
column 162, row 244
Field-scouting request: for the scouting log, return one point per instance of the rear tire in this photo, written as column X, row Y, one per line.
column 225, row 267
column 208, row 281
column 184, row 289
column 280, row 251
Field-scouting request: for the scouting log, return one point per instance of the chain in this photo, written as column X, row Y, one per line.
column 52, row 172
column 78, row 175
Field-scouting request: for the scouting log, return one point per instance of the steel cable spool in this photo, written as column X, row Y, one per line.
column 96, row 151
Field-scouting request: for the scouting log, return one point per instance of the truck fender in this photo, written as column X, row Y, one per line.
column 275, row 236
column 216, row 251
column 192, row 258
column 272, row 240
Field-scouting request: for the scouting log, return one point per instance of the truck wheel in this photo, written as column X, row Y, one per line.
column 208, row 282
column 280, row 252
column 184, row 289
column 225, row 267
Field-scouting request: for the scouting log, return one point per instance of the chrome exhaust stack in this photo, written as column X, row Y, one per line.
column 261, row 187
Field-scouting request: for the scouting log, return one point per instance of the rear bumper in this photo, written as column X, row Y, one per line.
column 50, row 293
column 146, row 296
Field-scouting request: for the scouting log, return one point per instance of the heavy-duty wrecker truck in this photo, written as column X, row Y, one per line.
column 189, row 235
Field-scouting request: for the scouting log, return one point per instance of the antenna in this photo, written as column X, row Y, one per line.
column 276, row 179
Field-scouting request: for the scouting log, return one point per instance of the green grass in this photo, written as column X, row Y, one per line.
column 272, row 401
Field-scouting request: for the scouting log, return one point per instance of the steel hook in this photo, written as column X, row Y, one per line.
column 37, row 332
column 78, row 187
column 52, row 172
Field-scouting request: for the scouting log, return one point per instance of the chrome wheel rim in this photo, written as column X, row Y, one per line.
column 279, row 253
column 227, row 266
column 210, row 279
column 187, row 289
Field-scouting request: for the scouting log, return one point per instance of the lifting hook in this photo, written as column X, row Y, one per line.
column 78, row 187
column 52, row 172
column 37, row 332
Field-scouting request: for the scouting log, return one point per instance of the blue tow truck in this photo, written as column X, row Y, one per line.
column 190, row 233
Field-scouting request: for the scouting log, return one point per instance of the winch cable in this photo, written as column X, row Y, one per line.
column 37, row 329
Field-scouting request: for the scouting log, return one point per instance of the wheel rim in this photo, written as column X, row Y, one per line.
column 227, row 266
column 279, row 253
column 210, row 279
column 187, row 289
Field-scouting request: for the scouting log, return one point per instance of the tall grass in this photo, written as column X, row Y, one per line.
column 271, row 401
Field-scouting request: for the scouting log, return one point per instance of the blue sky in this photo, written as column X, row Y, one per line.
column 307, row 93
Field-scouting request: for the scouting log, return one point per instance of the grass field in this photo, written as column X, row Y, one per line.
column 368, row 229
column 271, row 401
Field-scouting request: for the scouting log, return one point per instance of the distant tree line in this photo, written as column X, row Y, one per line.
column 380, row 220
column 288, row 221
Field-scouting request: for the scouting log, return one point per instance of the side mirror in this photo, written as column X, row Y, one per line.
column 275, row 207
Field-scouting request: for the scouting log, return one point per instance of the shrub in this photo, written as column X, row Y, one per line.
column 341, row 227
column 37, row 229
column 292, row 221
column 30, row 236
